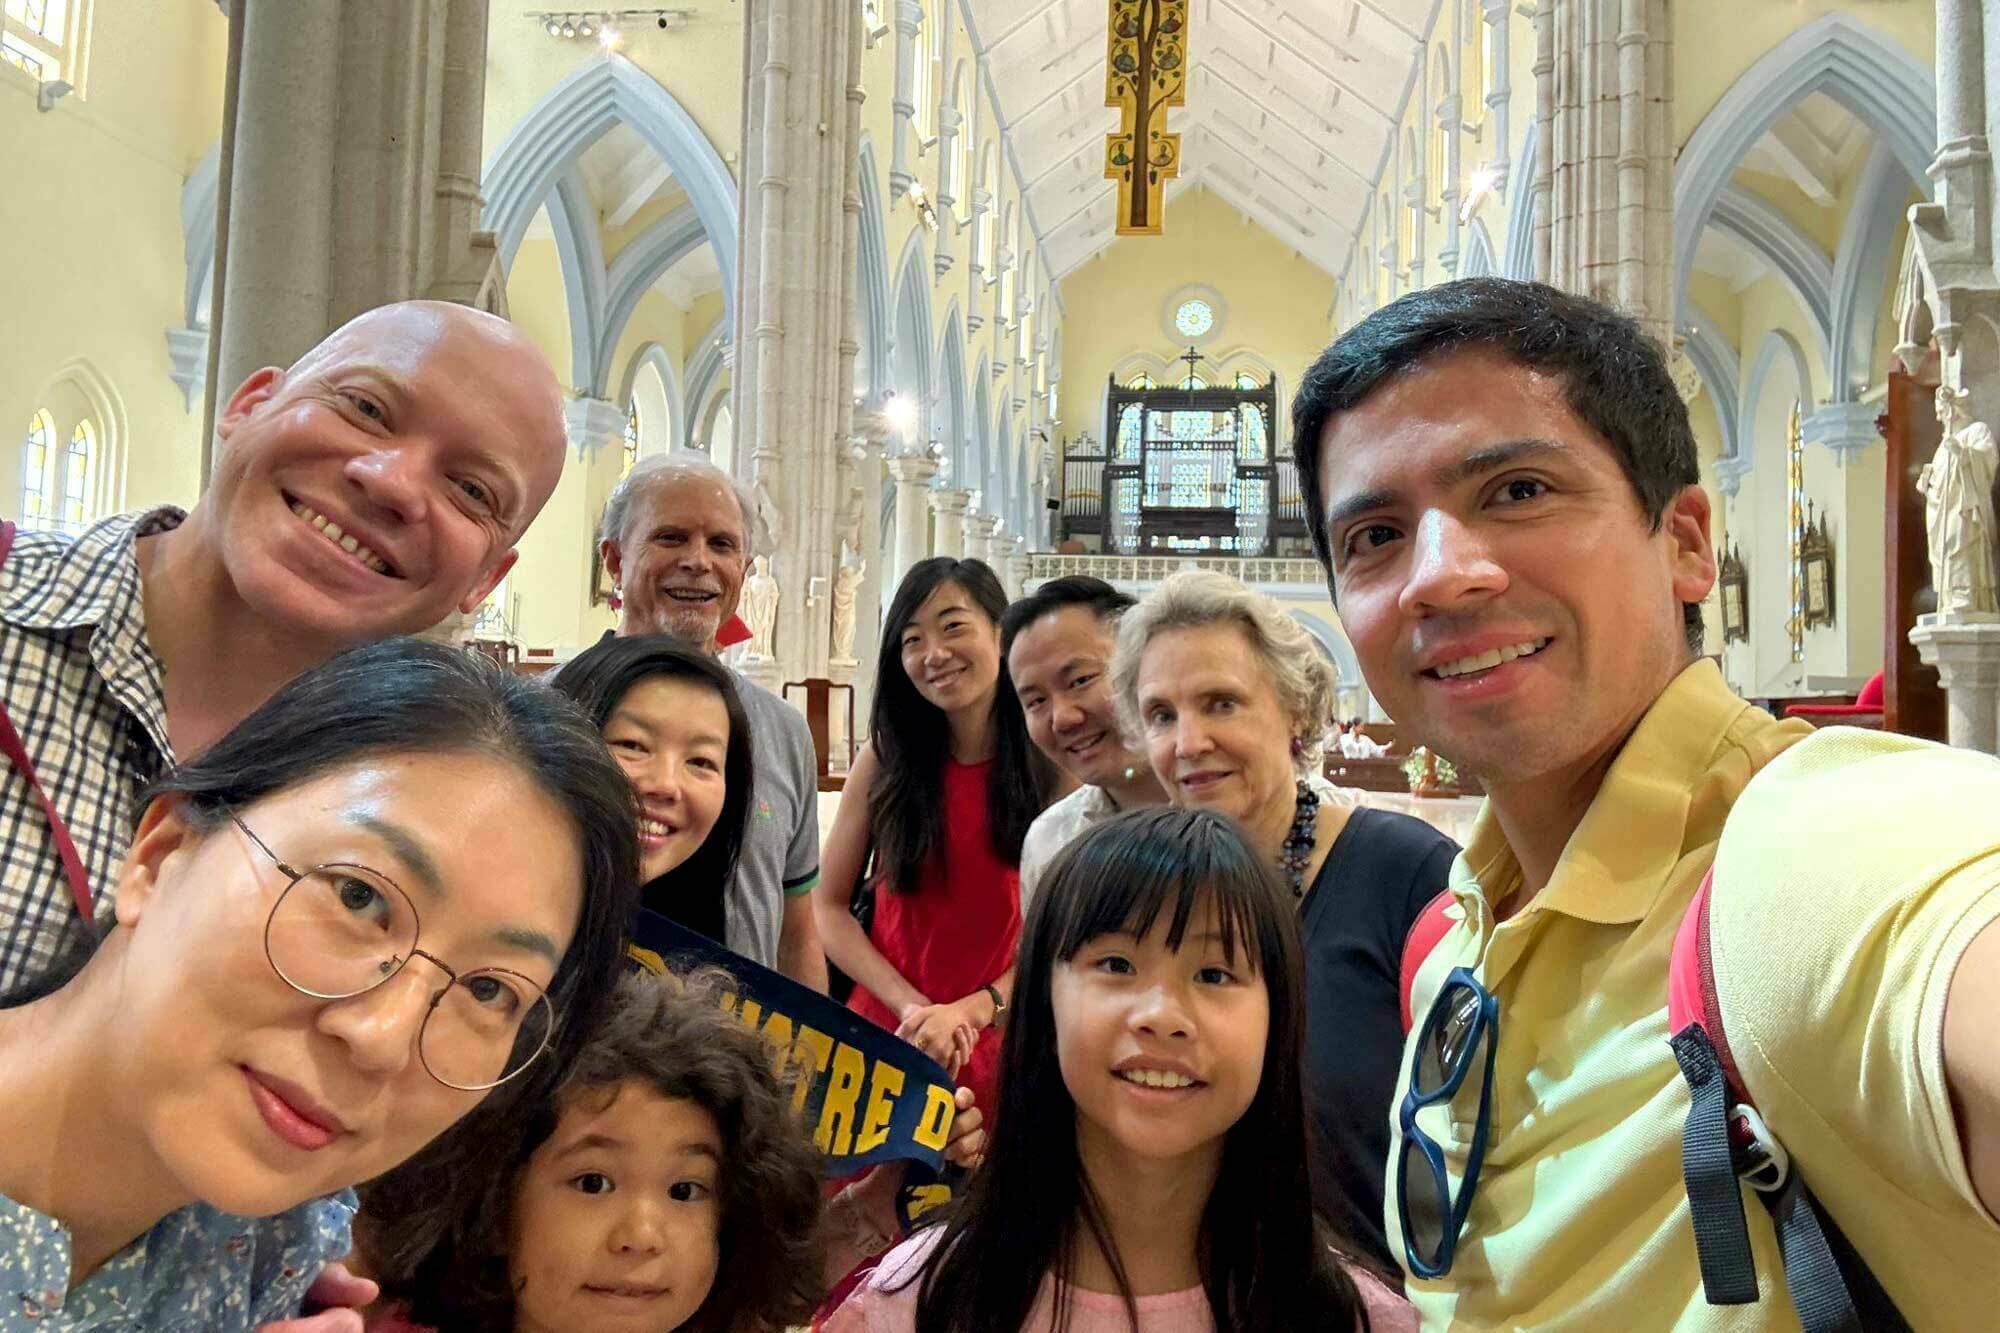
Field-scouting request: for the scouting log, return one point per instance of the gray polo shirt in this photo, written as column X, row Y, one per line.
column 780, row 856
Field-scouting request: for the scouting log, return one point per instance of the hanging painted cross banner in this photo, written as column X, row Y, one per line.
column 1145, row 73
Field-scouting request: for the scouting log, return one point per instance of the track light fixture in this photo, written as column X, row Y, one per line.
column 603, row 24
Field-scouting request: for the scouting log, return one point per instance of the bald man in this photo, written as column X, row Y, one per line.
column 370, row 490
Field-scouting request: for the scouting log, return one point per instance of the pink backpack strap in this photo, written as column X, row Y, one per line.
column 1425, row 932
column 1691, row 995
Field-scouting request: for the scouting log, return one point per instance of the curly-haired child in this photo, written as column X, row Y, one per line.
column 667, row 1184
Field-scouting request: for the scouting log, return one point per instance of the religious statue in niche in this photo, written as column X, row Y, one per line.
column 1816, row 564
column 1145, row 73
column 1957, row 485
column 1735, row 583
column 846, row 587
column 760, row 606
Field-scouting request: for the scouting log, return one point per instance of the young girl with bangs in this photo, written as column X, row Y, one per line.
column 1144, row 1170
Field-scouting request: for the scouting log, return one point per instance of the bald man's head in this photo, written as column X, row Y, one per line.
column 382, row 481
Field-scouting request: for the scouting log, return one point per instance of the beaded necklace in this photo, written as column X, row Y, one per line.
column 1296, row 854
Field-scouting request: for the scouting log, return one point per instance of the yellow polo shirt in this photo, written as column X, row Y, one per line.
column 1852, row 875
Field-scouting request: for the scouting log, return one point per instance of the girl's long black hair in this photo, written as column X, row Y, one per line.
column 599, row 678
column 1267, row 1262
column 912, row 738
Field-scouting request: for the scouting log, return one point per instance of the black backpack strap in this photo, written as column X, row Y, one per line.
column 1725, row 1145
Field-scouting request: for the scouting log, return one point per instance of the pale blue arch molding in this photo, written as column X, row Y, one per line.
column 1887, row 88
column 654, row 355
column 198, row 213
column 1520, row 259
column 578, row 111
column 704, row 368
column 1714, row 359
column 537, row 163
column 958, row 429
column 1475, row 258
column 910, row 344
column 1800, row 264
column 1334, row 644
column 1777, row 343
column 980, row 424
column 1867, row 251
column 877, row 318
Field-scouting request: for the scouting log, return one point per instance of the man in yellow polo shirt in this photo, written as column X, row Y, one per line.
column 1502, row 483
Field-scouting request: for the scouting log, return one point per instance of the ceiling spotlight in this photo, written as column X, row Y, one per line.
column 568, row 29
column 900, row 414
column 607, row 37
column 583, row 28
column 554, row 28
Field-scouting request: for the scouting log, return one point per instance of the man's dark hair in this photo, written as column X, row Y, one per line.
column 1105, row 601
column 1614, row 378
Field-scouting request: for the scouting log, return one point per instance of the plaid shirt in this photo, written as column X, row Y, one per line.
column 87, row 694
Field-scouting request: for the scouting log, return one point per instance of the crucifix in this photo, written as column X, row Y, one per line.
column 1145, row 73
column 1193, row 358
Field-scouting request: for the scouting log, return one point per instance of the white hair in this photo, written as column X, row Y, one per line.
column 1300, row 676
column 649, row 473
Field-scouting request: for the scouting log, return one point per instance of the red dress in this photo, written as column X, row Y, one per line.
column 957, row 932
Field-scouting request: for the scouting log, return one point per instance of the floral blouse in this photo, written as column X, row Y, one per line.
column 197, row 1271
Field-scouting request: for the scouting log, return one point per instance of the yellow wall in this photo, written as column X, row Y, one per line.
column 1275, row 303
column 91, row 213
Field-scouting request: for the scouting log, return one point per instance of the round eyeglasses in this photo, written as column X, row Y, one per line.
column 340, row 930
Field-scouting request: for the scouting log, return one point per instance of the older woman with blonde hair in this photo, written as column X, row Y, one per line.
column 1229, row 698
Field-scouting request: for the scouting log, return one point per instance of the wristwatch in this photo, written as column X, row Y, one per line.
column 999, row 1003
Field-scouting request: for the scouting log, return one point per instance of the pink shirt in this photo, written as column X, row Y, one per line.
column 878, row 1307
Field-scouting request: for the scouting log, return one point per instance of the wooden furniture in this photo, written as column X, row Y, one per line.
column 1912, row 700
column 819, row 701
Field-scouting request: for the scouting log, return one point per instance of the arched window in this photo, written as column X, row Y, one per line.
column 631, row 442
column 1142, row 380
column 38, row 498
column 45, row 38
column 923, row 89
column 79, row 477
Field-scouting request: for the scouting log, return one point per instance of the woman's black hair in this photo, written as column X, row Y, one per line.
column 600, row 677
column 409, row 696
column 911, row 738
column 673, row 1036
column 1266, row 1260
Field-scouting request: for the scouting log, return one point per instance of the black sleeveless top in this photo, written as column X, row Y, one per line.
column 1378, row 875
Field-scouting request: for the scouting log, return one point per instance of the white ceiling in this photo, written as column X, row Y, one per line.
column 1721, row 255
column 1290, row 109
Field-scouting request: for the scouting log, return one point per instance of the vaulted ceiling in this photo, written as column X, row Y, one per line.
column 1291, row 107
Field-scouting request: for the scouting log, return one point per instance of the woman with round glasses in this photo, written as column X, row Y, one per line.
column 403, row 882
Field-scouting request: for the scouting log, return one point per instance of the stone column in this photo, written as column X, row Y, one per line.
column 352, row 171
column 793, row 377
column 909, row 50
column 1018, row 565
column 1450, row 116
column 983, row 539
column 912, row 474
column 1954, row 233
column 949, row 190
column 1494, row 14
column 949, row 503
column 1965, row 649
column 1607, row 179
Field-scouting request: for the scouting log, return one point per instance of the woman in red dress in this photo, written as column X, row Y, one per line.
column 943, row 793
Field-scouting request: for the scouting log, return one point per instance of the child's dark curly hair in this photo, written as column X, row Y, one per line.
column 672, row 1034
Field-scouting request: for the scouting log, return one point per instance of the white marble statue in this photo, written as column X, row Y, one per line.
column 846, row 587
column 1958, row 509
column 760, row 606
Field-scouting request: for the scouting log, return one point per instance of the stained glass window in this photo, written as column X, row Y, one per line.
column 631, row 440
column 1142, row 380
column 37, row 482
column 1256, row 435
column 1246, row 380
column 1194, row 317
column 1129, row 425
column 79, row 474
